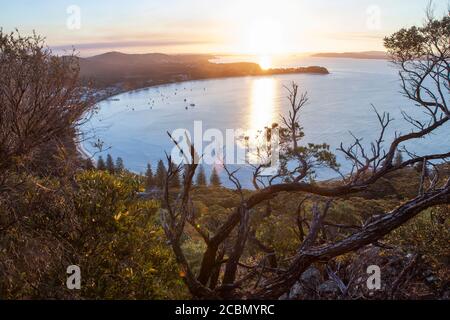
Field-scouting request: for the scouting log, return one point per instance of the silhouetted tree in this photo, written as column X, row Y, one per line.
column 149, row 179
column 110, row 164
column 160, row 176
column 120, row 166
column 215, row 179
column 201, row 177
column 101, row 164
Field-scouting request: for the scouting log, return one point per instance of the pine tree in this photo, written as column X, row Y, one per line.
column 101, row 164
column 160, row 176
column 175, row 179
column 120, row 166
column 398, row 159
column 149, row 179
column 110, row 164
column 215, row 179
column 88, row 165
column 201, row 177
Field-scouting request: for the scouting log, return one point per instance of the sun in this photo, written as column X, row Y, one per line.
column 265, row 62
column 264, row 37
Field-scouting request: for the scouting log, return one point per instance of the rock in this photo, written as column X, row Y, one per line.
column 296, row 292
column 431, row 279
column 311, row 277
column 306, row 286
column 284, row 297
column 327, row 288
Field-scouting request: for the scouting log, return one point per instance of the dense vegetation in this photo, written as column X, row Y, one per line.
column 155, row 236
column 109, row 226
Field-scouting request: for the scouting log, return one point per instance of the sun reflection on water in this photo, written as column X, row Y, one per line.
column 262, row 104
column 261, row 115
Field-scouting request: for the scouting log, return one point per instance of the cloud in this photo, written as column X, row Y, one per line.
column 129, row 44
column 355, row 36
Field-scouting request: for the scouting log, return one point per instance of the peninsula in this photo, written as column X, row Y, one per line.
column 122, row 72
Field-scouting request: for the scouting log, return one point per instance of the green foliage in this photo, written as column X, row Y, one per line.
column 213, row 205
column 427, row 234
column 96, row 222
column 121, row 248
column 124, row 253
column 101, row 196
column 37, row 225
column 315, row 155
column 278, row 231
column 356, row 210
column 414, row 42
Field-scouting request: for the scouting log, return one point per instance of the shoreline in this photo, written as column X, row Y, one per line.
column 115, row 91
column 169, row 82
column 82, row 152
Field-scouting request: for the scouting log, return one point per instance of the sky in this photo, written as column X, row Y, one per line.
column 214, row 26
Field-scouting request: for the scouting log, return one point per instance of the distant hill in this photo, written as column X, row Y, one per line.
column 145, row 60
column 114, row 67
column 130, row 71
column 354, row 55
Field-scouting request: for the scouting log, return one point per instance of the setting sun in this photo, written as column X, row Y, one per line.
column 264, row 37
column 265, row 62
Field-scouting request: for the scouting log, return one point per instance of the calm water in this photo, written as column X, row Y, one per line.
column 134, row 126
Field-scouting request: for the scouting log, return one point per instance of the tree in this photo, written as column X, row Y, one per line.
column 149, row 179
column 41, row 99
column 174, row 181
column 113, row 242
column 101, row 164
column 201, row 177
column 120, row 166
column 42, row 105
column 160, row 176
column 110, row 164
column 398, row 158
column 422, row 55
column 214, row 180
column 88, row 164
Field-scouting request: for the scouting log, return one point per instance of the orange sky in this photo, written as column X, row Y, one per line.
column 262, row 27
